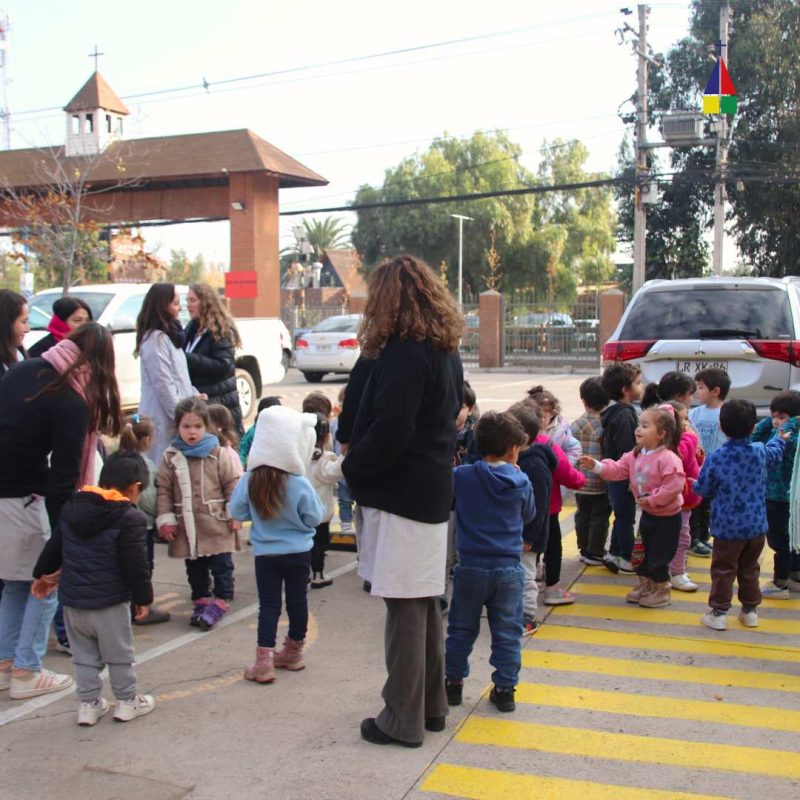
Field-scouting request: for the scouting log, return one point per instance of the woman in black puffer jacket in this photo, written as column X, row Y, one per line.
column 211, row 339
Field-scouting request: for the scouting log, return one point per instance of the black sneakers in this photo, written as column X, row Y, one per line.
column 503, row 699
column 454, row 690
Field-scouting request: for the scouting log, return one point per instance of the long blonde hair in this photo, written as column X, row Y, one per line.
column 407, row 300
column 214, row 317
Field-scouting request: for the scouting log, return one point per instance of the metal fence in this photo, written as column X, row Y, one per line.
column 472, row 333
column 298, row 319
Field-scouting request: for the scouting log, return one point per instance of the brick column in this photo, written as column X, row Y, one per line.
column 490, row 346
column 254, row 241
column 357, row 303
column 612, row 306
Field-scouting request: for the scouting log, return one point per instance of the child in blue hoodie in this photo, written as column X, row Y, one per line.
column 493, row 500
column 284, row 508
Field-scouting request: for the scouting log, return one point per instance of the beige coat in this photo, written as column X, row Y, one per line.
column 203, row 519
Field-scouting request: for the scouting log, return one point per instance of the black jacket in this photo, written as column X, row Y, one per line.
column 619, row 423
column 213, row 372
column 101, row 546
column 53, row 425
column 538, row 462
column 356, row 381
column 43, row 345
column 404, row 435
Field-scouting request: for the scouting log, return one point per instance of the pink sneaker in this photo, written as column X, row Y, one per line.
column 556, row 596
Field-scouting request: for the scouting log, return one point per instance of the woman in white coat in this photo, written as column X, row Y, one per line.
column 164, row 373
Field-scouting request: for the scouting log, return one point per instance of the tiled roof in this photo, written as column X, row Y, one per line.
column 347, row 264
column 167, row 159
column 96, row 93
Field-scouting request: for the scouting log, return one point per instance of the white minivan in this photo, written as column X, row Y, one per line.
column 264, row 357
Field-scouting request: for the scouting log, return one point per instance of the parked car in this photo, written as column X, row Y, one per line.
column 749, row 327
column 541, row 332
column 263, row 358
column 330, row 346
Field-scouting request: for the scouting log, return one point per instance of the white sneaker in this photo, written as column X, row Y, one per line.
column 347, row 528
column 33, row 684
column 715, row 621
column 683, row 583
column 625, row 567
column 774, row 592
column 127, row 710
column 90, row 713
column 749, row 618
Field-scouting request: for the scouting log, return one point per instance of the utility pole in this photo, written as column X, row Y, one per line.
column 639, row 212
column 722, row 152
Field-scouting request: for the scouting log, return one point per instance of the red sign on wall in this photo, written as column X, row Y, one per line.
column 241, row 284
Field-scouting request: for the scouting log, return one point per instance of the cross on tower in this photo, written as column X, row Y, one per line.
column 96, row 55
column 718, row 45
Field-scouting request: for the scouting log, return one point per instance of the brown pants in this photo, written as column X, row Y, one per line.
column 414, row 688
column 735, row 559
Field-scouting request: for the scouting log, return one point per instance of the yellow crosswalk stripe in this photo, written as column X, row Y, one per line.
column 648, row 670
column 637, row 705
column 616, row 590
column 489, row 784
column 667, row 643
column 660, row 616
column 629, row 747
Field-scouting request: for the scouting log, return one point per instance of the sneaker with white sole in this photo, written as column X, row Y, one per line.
column 683, row 583
column 592, row 560
column 127, row 710
column 749, row 617
column 792, row 585
column 716, row 620
column 611, row 563
column 774, row 592
column 90, row 713
column 556, row 596
column 347, row 528
column 700, row 549
column 5, row 674
column 625, row 566
column 34, row 683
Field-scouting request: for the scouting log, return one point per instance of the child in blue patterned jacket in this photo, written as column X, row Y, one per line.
column 735, row 477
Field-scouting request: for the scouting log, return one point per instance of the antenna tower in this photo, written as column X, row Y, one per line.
column 5, row 113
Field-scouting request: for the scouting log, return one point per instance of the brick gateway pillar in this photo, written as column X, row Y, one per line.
column 254, row 241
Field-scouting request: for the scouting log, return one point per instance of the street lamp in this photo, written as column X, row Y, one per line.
column 460, row 218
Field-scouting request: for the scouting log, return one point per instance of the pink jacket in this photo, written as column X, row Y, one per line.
column 687, row 451
column 656, row 477
column 563, row 475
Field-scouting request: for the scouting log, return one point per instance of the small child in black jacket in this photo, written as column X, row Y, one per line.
column 100, row 546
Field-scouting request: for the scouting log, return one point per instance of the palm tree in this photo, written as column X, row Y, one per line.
column 330, row 233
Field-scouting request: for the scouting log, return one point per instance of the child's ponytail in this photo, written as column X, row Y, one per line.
column 135, row 429
column 127, row 438
column 651, row 396
column 322, row 429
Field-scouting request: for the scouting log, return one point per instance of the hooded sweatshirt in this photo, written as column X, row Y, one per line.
column 619, row 422
column 538, row 462
column 100, row 544
column 492, row 503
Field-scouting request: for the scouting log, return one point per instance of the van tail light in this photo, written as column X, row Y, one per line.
column 349, row 344
column 626, row 351
column 778, row 350
column 301, row 344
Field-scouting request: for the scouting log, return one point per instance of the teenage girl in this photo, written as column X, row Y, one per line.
column 284, row 509
column 137, row 435
column 657, row 478
column 195, row 483
column 692, row 456
column 324, row 472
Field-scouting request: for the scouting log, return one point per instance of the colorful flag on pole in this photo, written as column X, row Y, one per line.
column 719, row 96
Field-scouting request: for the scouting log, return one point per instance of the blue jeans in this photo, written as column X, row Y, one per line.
column 624, row 507
column 199, row 571
column 496, row 583
column 289, row 571
column 345, row 501
column 59, row 625
column 25, row 625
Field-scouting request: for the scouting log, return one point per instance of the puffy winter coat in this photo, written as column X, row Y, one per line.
column 213, row 372
column 101, row 545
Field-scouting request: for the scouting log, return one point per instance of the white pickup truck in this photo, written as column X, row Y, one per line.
column 264, row 357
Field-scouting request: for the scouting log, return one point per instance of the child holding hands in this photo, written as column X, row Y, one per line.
column 656, row 477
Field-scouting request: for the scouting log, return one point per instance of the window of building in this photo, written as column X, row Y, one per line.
column 119, row 125
column 76, row 124
column 108, row 122
column 89, row 124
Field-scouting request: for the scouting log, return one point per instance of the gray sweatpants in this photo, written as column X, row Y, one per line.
column 102, row 637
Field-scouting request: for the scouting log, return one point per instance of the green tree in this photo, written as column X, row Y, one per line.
column 330, row 233
column 182, row 269
column 764, row 161
column 484, row 162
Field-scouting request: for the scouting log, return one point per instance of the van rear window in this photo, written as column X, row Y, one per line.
column 681, row 313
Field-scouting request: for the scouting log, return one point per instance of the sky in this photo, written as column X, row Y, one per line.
column 538, row 70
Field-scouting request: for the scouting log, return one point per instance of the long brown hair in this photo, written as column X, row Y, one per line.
column 154, row 315
column 11, row 305
column 214, row 317
column 265, row 490
column 102, row 394
column 222, row 425
column 407, row 300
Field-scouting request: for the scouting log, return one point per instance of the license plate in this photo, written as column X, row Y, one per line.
column 693, row 367
column 323, row 348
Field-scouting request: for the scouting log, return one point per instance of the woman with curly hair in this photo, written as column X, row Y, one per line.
column 399, row 469
column 211, row 339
